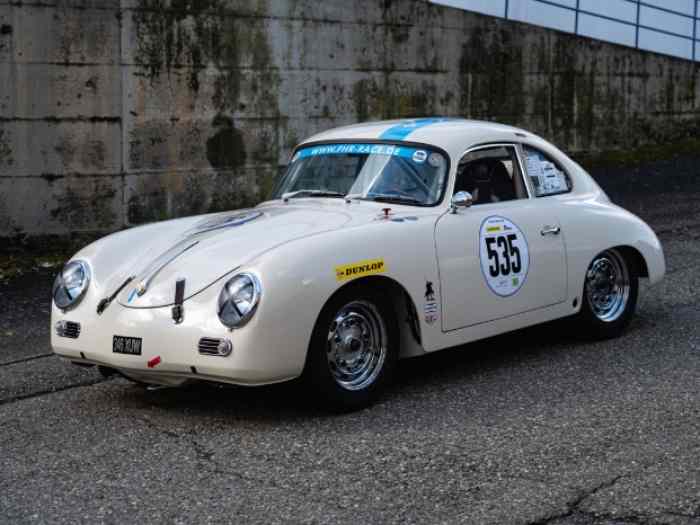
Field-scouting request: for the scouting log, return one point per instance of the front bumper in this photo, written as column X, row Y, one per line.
column 258, row 358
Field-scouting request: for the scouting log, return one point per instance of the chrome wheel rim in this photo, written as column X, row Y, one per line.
column 357, row 345
column 608, row 286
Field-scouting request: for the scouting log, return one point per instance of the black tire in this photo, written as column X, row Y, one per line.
column 321, row 372
column 592, row 322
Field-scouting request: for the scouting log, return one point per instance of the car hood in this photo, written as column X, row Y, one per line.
column 203, row 249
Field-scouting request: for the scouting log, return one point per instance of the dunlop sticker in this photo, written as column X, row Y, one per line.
column 359, row 269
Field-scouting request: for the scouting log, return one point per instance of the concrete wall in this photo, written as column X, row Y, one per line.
column 116, row 112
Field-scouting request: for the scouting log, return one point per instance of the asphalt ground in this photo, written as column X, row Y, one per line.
column 531, row 427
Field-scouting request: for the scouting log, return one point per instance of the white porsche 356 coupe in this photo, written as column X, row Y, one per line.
column 383, row 240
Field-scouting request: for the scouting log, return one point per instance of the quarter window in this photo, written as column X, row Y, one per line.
column 547, row 176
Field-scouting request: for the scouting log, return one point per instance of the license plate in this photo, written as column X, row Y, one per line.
column 126, row 345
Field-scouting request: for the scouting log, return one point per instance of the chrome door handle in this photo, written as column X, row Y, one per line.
column 550, row 230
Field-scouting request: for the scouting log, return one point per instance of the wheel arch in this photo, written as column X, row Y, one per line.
column 634, row 256
column 403, row 306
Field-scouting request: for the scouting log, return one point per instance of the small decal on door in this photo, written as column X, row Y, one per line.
column 430, row 309
column 504, row 255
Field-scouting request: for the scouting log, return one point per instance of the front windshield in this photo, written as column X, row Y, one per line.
column 382, row 172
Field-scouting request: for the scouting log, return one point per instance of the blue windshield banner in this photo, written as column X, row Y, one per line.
column 360, row 149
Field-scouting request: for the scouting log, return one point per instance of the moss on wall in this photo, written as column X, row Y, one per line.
column 209, row 38
column 638, row 157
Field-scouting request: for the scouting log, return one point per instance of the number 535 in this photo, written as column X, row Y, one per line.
column 504, row 258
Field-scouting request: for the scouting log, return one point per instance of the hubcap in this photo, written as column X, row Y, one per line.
column 608, row 286
column 357, row 345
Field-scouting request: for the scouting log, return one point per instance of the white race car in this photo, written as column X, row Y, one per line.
column 382, row 241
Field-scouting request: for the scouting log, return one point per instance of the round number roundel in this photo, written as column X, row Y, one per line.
column 504, row 255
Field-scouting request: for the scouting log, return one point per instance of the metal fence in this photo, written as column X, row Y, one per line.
column 671, row 27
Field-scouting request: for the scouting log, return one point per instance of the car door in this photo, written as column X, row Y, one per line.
column 504, row 255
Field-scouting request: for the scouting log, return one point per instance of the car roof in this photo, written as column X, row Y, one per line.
column 453, row 135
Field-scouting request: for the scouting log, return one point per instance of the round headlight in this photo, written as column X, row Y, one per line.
column 70, row 285
column 239, row 299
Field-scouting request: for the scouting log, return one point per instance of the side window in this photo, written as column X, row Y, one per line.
column 491, row 175
column 548, row 178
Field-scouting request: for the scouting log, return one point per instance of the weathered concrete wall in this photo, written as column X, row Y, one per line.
column 116, row 112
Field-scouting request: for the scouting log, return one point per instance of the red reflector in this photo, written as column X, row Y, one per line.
column 154, row 362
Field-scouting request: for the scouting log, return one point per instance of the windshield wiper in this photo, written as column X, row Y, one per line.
column 398, row 199
column 311, row 193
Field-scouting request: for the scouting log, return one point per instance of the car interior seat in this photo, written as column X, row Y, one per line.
column 481, row 173
column 501, row 184
column 464, row 181
column 487, row 180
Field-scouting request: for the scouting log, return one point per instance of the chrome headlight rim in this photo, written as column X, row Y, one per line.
column 69, row 300
column 226, row 298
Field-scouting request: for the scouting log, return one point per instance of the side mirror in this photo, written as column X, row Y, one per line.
column 461, row 199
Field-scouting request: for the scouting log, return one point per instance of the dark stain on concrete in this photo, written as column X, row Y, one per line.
column 179, row 39
column 91, row 83
column 6, row 222
column 492, row 73
column 189, row 36
column 390, row 98
column 225, row 149
column 360, row 98
column 147, row 207
column 66, row 150
column 234, row 190
column 5, row 29
column 170, row 34
column 94, row 153
column 5, row 149
column 51, row 177
column 85, row 204
column 192, row 143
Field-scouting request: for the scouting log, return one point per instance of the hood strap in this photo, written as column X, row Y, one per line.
column 178, row 311
column 104, row 303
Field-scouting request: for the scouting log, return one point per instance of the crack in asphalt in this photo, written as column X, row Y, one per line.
column 25, row 359
column 40, row 393
column 207, row 456
column 573, row 508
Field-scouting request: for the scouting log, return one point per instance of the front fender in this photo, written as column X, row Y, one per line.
column 298, row 278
